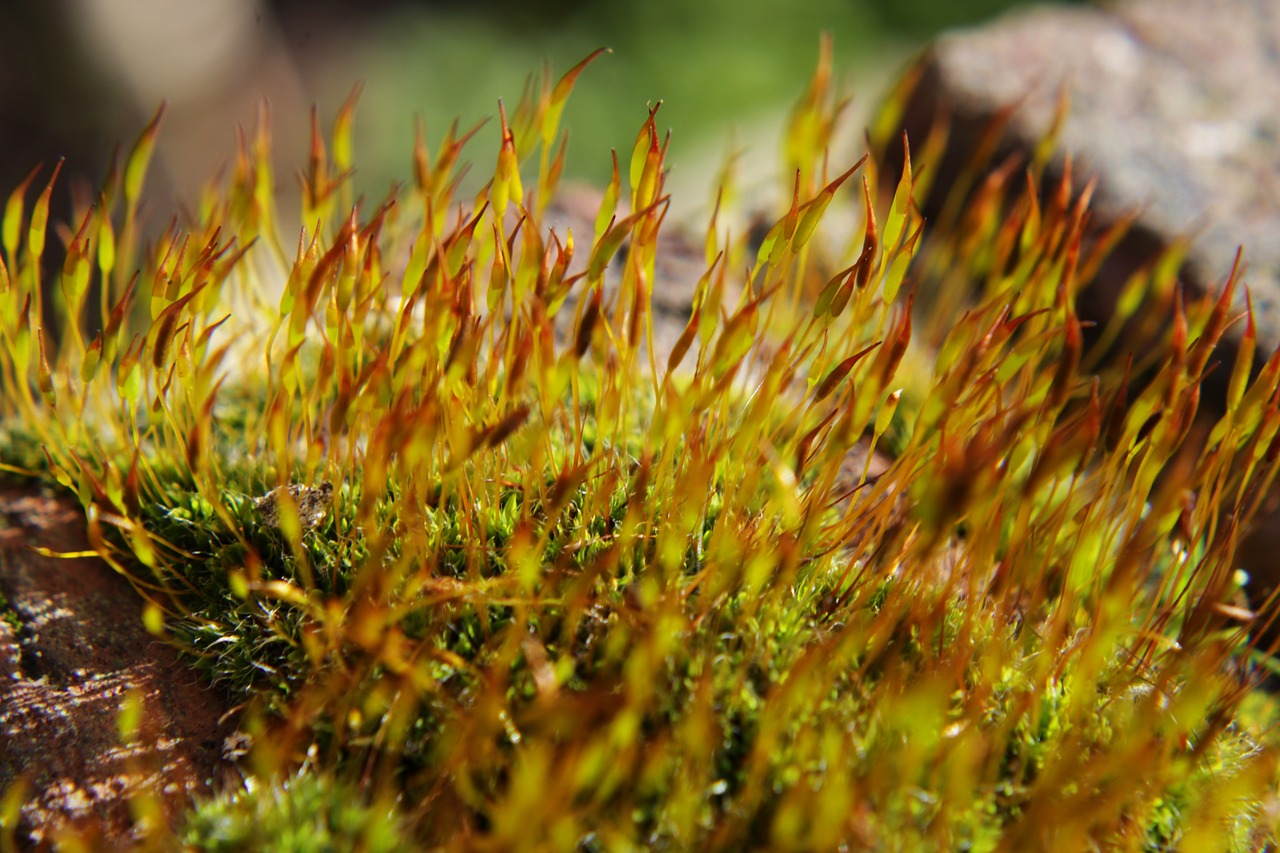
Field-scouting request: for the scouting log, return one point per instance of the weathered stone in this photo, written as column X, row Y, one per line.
column 1172, row 108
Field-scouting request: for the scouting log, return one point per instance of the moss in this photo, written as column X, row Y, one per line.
column 8, row 615
column 21, row 456
column 306, row 813
column 453, row 552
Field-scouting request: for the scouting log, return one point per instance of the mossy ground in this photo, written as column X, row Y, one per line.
column 566, row 597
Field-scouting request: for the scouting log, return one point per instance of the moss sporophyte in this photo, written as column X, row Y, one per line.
column 474, row 548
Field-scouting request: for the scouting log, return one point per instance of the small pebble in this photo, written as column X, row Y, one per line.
column 312, row 503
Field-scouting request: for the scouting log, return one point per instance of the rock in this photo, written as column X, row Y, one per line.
column 78, row 650
column 1172, row 108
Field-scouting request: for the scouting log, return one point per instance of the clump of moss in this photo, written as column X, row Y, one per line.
column 566, row 592
column 306, row 813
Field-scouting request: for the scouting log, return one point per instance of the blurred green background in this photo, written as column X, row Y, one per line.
column 78, row 76
column 723, row 69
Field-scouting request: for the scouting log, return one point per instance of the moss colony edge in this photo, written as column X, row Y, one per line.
column 816, row 574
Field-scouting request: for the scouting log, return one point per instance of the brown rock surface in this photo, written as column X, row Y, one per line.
column 79, row 649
